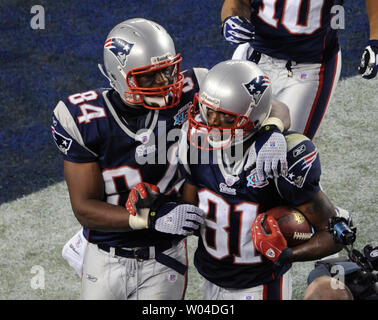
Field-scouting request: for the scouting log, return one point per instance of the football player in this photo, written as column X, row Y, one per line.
column 294, row 43
column 234, row 254
column 109, row 139
column 112, row 140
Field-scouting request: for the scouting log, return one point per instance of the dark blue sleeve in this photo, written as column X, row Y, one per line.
column 70, row 148
column 302, row 181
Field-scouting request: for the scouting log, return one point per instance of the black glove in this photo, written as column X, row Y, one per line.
column 369, row 60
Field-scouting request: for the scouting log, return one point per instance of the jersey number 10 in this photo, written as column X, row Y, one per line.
column 291, row 15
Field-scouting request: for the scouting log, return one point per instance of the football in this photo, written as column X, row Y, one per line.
column 293, row 224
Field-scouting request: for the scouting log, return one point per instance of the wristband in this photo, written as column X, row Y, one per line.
column 274, row 121
column 140, row 220
column 285, row 257
column 155, row 206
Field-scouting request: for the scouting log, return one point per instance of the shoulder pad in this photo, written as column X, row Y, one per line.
column 200, row 74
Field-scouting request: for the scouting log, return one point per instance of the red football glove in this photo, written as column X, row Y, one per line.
column 141, row 196
column 270, row 245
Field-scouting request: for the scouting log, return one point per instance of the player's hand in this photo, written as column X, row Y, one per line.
column 270, row 245
column 143, row 195
column 369, row 60
column 269, row 151
column 175, row 218
column 238, row 30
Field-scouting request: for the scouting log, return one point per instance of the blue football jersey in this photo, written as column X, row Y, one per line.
column 297, row 30
column 226, row 255
column 130, row 145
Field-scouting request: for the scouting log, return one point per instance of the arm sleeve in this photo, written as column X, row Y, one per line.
column 302, row 180
column 68, row 138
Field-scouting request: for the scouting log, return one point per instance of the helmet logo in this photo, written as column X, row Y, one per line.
column 256, row 87
column 120, row 48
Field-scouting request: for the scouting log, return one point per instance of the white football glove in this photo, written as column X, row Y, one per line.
column 270, row 149
column 369, row 61
column 176, row 218
column 238, row 30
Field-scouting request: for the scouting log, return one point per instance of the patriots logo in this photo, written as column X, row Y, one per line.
column 256, row 87
column 62, row 142
column 301, row 167
column 120, row 48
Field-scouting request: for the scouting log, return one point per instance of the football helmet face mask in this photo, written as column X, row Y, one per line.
column 241, row 94
column 142, row 65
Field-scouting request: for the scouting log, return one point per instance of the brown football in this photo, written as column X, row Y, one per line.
column 292, row 223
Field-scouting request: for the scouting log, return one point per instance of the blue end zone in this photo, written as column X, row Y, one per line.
column 38, row 67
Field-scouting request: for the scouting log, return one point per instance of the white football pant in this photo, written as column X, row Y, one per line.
column 107, row 276
column 307, row 89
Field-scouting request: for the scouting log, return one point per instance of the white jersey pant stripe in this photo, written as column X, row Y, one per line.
column 307, row 88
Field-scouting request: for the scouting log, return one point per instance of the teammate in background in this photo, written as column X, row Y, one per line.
column 294, row 44
column 110, row 140
column 369, row 60
column 234, row 255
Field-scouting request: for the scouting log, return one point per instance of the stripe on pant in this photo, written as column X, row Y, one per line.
column 329, row 72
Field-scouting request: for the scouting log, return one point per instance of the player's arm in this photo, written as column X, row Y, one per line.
column 281, row 112
column 164, row 214
column 240, row 8
column 317, row 211
column 274, row 246
column 300, row 188
column 189, row 194
column 372, row 11
column 86, row 190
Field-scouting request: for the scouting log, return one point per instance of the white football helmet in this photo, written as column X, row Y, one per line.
column 235, row 87
column 138, row 48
